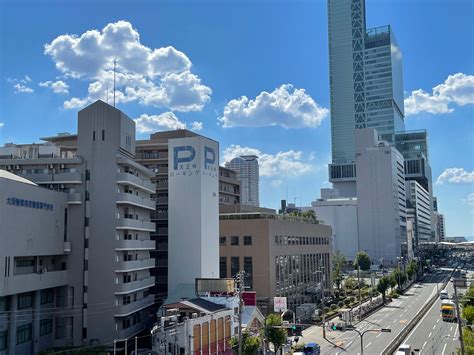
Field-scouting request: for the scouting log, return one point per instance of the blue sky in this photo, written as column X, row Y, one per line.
column 195, row 60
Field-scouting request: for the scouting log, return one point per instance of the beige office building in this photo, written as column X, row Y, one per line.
column 279, row 254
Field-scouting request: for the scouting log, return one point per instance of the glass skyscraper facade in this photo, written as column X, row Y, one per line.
column 366, row 85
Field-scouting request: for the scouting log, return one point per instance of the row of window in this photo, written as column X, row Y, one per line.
column 24, row 333
column 235, row 268
column 296, row 240
column 235, row 240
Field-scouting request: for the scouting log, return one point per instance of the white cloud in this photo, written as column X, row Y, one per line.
column 456, row 176
column 162, row 122
column 21, row 85
column 2, row 124
column 276, row 183
column 196, row 126
column 470, row 199
column 456, row 89
column 288, row 163
column 158, row 77
column 58, row 87
column 285, row 106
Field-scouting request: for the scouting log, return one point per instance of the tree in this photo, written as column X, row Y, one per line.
column 350, row 283
column 250, row 343
column 392, row 281
column 468, row 314
column 383, row 285
column 411, row 269
column 338, row 261
column 468, row 298
column 399, row 276
column 363, row 259
column 276, row 336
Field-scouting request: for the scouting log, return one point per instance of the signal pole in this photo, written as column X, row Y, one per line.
column 240, row 283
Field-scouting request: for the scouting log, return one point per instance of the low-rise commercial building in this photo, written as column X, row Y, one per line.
column 35, row 299
column 280, row 255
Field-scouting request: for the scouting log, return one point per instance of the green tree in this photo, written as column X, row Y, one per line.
column 250, row 343
column 399, row 276
column 383, row 285
column 468, row 314
column 350, row 283
column 363, row 260
column 276, row 336
column 338, row 262
column 411, row 269
column 468, row 298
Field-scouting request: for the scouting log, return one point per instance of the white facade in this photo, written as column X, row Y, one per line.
column 247, row 171
column 380, row 197
column 341, row 215
column 419, row 199
column 193, row 213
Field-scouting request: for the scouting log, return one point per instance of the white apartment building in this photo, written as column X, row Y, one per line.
column 247, row 170
column 419, row 200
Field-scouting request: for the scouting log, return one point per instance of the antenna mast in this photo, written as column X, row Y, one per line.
column 115, row 63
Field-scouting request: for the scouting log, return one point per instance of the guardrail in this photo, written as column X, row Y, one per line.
column 393, row 346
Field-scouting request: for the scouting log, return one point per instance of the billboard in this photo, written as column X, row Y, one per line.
column 279, row 304
column 214, row 286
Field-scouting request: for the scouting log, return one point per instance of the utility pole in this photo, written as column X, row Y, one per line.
column 322, row 297
column 358, row 287
column 240, row 281
column 458, row 317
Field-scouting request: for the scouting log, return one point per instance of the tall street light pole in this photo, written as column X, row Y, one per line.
column 322, row 296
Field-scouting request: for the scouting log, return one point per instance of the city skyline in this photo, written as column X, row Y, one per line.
column 293, row 140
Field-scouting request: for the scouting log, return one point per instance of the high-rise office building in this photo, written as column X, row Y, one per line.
column 418, row 199
column 108, row 221
column 247, row 170
column 366, row 86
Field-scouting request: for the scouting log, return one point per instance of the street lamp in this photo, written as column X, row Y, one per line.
column 322, row 296
column 361, row 334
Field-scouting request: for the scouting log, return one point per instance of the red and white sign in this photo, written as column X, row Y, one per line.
column 279, row 304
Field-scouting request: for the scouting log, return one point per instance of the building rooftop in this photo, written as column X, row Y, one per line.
column 266, row 216
column 199, row 304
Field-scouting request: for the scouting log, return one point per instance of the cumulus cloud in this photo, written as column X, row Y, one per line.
column 457, row 89
column 21, row 85
column 289, row 163
column 58, row 87
column 165, row 121
column 470, row 199
column 158, row 77
column 285, row 106
column 456, row 176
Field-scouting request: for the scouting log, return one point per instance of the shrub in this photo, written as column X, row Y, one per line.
column 352, row 298
column 326, row 309
column 340, row 304
column 347, row 301
column 333, row 307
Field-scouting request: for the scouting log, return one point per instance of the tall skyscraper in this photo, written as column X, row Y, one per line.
column 246, row 167
column 366, row 86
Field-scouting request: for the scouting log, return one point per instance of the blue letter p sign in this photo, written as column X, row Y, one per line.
column 187, row 155
column 209, row 157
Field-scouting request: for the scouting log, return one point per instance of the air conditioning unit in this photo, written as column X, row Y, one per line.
column 50, row 166
column 61, row 166
column 194, row 315
column 17, row 167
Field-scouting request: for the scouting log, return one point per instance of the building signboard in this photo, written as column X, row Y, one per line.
column 279, row 304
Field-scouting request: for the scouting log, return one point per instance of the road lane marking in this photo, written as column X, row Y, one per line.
column 451, row 329
column 456, row 331
column 379, row 335
column 437, row 321
column 444, row 348
column 429, row 335
column 423, row 345
column 368, row 345
column 434, row 326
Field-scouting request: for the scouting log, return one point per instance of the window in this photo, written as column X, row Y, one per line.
column 234, row 265
column 3, row 304
column 47, row 296
column 46, row 326
column 25, row 300
column 103, row 135
column 23, row 333
column 3, row 340
column 248, row 268
column 93, row 135
column 222, row 267
column 126, row 299
column 222, row 240
column 25, row 263
column 247, row 240
column 234, row 240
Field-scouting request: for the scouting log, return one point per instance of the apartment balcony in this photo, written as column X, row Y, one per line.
column 58, row 178
column 162, row 200
column 135, row 224
column 162, row 216
column 127, row 309
column 129, row 332
column 162, row 185
column 31, row 282
column 136, row 181
column 74, row 198
column 133, row 265
column 130, row 199
column 134, row 286
column 135, row 245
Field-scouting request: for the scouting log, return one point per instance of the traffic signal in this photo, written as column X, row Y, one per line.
column 333, row 327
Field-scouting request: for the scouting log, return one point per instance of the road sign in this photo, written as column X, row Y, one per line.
column 279, row 304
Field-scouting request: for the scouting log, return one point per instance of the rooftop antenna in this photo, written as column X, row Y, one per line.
column 107, row 97
column 115, row 63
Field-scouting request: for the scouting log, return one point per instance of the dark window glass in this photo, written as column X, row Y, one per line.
column 222, row 240
column 3, row 340
column 103, row 135
column 223, row 267
column 25, row 300
column 46, row 326
column 247, row 240
column 234, row 240
column 248, row 269
column 93, row 135
column 46, row 296
column 23, row 333
column 234, row 265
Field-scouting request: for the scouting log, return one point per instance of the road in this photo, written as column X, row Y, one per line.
column 394, row 316
column 433, row 336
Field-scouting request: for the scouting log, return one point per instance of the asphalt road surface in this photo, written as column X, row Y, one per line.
column 394, row 316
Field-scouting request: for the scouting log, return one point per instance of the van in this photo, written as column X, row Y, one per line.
column 404, row 349
column 443, row 295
